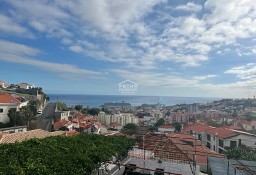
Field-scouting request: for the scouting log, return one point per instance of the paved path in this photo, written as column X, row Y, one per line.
column 44, row 121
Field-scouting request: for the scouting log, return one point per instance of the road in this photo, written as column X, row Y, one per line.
column 44, row 121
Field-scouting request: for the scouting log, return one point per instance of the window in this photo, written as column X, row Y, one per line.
column 214, row 149
column 199, row 137
column 239, row 142
column 208, row 137
column 208, row 145
column 233, row 144
column 191, row 132
column 221, row 143
column 220, row 150
column 1, row 110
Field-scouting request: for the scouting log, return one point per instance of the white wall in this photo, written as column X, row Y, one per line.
column 4, row 115
column 166, row 130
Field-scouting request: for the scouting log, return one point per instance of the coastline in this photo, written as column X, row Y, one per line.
column 135, row 100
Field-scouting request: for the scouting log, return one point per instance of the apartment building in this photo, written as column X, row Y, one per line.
column 121, row 118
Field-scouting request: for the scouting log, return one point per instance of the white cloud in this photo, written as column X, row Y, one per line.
column 245, row 72
column 7, row 25
column 77, row 49
column 19, row 53
column 190, row 6
column 203, row 77
column 226, row 10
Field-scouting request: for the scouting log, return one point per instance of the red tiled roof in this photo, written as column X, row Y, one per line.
column 22, row 136
column 177, row 146
column 115, row 124
column 253, row 123
column 59, row 124
column 201, row 151
column 235, row 128
column 166, row 126
column 198, row 128
column 97, row 123
column 85, row 125
column 75, row 120
column 7, row 98
column 222, row 132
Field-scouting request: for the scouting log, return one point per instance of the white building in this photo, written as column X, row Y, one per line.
column 149, row 121
column 217, row 139
column 7, row 102
column 166, row 128
column 156, row 113
column 25, row 86
column 122, row 118
column 3, row 84
column 249, row 125
column 220, row 138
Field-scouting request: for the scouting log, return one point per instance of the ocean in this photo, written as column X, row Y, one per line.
column 98, row 100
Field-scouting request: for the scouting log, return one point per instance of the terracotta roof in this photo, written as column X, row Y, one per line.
column 97, row 124
column 166, row 126
column 198, row 128
column 235, row 127
column 75, row 120
column 115, row 124
column 253, row 123
column 85, row 125
column 196, row 147
column 22, row 136
column 7, row 98
column 59, row 124
column 177, row 146
column 71, row 133
column 222, row 132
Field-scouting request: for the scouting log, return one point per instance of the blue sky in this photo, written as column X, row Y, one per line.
column 202, row 48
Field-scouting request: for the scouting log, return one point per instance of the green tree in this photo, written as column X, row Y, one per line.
column 177, row 126
column 130, row 129
column 160, row 122
column 240, row 153
column 14, row 117
column 12, row 86
column 55, row 155
column 78, row 107
column 26, row 116
column 62, row 106
column 250, row 116
column 152, row 128
column 94, row 111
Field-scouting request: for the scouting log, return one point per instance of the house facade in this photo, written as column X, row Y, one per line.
column 7, row 102
column 25, row 86
column 249, row 125
column 166, row 128
column 219, row 139
column 4, row 84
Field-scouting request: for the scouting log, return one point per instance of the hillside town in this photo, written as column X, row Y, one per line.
column 180, row 139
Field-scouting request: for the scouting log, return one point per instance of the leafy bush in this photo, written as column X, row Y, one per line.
column 63, row 155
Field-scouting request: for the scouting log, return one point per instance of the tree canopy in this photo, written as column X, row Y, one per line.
column 240, row 153
column 78, row 107
column 80, row 154
column 130, row 129
column 177, row 126
column 94, row 111
column 160, row 122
